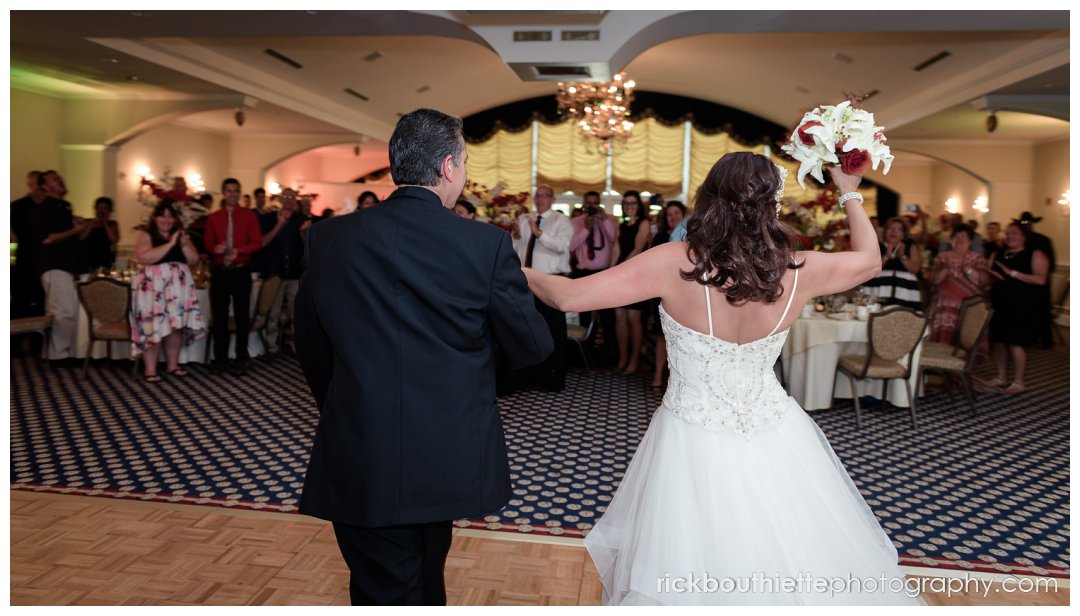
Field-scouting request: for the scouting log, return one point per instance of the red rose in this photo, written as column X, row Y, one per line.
column 855, row 162
column 808, row 139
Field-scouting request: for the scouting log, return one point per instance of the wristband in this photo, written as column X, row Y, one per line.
column 849, row 196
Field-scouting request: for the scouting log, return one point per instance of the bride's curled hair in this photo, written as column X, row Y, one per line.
column 735, row 239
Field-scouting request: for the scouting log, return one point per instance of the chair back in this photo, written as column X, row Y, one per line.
column 974, row 319
column 895, row 332
column 105, row 300
column 267, row 293
column 581, row 334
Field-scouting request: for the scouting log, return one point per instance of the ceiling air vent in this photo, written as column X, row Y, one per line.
column 356, row 94
column 570, row 72
column 532, row 36
column 373, row 56
column 580, row 35
column 282, row 57
column 933, row 60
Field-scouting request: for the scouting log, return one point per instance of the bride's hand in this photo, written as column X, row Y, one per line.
column 844, row 183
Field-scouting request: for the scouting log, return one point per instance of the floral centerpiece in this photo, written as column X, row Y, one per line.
column 819, row 222
column 841, row 135
column 174, row 189
column 494, row 205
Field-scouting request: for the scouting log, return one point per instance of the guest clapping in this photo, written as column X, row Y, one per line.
column 958, row 274
column 100, row 236
column 165, row 307
column 1019, row 272
column 901, row 262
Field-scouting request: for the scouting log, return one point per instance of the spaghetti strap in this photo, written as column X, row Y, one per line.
column 708, row 307
column 794, row 287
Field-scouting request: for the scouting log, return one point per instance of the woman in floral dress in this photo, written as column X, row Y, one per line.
column 164, row 302
column 958, row 273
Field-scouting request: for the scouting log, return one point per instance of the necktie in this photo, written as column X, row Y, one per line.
column 229, row 233
column 532, row 244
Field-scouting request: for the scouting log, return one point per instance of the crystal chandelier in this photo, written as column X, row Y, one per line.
column 600, row 110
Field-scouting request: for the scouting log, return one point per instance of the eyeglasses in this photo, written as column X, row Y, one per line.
column 540, row 194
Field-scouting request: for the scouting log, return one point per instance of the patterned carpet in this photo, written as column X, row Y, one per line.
column 988, row 493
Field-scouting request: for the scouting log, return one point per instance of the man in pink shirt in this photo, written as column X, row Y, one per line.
column 595, row 246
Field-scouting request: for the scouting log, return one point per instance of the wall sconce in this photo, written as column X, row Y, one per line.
column 952, row 205
column 274, row 188
column 980, row 205
column 991, row 122
column 144, row 173
column 195, row 182
column 1066, row 202
column 239, row 115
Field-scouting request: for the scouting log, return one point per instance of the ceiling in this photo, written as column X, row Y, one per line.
column 774, row 64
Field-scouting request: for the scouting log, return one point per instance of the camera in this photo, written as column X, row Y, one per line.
column 592, row 210
column 911, row 207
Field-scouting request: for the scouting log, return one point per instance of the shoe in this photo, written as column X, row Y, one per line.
column 151, row 378
column 180, row 372
column 1013, row 388
column 239, row 368
column 217, row 367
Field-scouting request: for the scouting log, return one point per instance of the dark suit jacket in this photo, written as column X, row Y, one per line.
column 397, row 317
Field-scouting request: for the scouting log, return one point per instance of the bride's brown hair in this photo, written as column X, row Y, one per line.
column 734, row 237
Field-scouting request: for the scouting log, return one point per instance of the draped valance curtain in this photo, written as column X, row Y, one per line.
column 654, row 161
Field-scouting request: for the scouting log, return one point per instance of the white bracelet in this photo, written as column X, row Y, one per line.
column 849, row 196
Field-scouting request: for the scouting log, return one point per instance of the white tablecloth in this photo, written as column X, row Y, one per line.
column 812, row 350
column 193, row 353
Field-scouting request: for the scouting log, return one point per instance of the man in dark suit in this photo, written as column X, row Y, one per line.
column 397, row 318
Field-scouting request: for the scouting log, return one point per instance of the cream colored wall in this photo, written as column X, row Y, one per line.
column 36, row 127
column 1050, row 178
column 180, row 149
column 910, row 179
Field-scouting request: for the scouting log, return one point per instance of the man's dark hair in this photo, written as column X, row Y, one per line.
column 421, row 140
column 107, row 201
column 229, row 181
column 260, row 191
column 33, row 174
column 596, row 194
column 43, row 175
column 206, row 199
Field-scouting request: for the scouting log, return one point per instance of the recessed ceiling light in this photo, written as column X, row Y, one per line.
column 112, row 61
column 422, row 89
column 840, row 57
column 132, row 77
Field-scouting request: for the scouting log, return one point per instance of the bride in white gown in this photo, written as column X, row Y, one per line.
column 734, row 495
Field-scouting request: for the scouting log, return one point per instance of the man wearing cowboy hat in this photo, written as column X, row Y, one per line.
column 1038, row 241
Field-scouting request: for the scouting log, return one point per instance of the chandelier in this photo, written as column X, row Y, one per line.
column 600, row 110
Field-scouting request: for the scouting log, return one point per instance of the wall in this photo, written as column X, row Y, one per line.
column 1050, row 178
column 36, row 123
column 180, row 149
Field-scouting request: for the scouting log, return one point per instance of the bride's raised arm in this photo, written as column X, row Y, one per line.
column 828, row 273
column 644, row 277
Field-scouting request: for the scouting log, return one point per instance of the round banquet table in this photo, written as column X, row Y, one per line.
column 811, row 352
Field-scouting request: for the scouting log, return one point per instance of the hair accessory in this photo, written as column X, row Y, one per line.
column 780, row 188
column 849, row 196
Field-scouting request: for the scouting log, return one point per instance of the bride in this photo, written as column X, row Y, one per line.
column 734, row 495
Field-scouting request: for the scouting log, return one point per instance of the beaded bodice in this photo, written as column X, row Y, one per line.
column 722, row 385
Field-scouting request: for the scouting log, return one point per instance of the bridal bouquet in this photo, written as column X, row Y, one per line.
column 840, row 135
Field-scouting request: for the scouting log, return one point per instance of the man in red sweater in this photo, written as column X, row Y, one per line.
column 232, row 238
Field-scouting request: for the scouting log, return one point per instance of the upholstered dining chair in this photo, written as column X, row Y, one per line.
column 579, row 335
column 892, row 334
column 108, row 305
column 40, row 325
column 264, row 302
column 958, row 360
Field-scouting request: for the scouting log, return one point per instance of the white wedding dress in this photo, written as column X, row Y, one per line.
column 733, row 482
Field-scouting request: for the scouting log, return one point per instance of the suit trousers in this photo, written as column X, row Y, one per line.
column 232, row 284
column 553, row 370
column 286, row 293
column 396, row 565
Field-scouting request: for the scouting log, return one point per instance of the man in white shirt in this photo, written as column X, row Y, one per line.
column 542, row 242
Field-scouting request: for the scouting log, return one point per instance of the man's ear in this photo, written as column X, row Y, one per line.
column 448, row 168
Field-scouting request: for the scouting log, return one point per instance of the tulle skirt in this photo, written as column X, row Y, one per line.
column 164, row 300
column 706, row 517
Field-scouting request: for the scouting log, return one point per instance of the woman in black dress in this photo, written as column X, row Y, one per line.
column 634, row 234
column 1019, row 274
column 670, row 217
